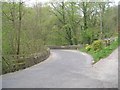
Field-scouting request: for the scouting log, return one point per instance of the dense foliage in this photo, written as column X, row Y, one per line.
column 27, row 30
column 59, row 23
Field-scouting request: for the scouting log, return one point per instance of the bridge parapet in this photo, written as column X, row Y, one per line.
column 65, row 47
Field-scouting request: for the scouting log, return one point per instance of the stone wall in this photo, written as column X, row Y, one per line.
column 66, row 47
column 14, row 63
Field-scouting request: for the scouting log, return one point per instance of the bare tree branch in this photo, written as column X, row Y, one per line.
column 56, row 9
column 8, row 17
column 57, row 16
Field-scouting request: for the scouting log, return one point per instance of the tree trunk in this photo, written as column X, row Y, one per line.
column 19, row 28
column 85, row 15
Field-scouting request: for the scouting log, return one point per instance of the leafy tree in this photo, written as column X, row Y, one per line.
column 12, row 12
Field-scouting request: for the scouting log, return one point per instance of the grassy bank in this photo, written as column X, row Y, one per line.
column 104, row 52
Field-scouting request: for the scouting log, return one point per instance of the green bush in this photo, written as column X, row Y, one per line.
column 97, row 45
column 103, row 52
column 88, row 47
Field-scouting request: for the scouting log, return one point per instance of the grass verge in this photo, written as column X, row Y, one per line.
column 106, row 51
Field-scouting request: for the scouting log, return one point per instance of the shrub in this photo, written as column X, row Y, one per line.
column 88, row 47
column 97, row 45
column 103, row 52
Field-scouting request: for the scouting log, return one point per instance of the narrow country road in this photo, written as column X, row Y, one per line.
column 66, row 69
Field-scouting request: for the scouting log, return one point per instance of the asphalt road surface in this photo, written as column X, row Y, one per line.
column 66, row 69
